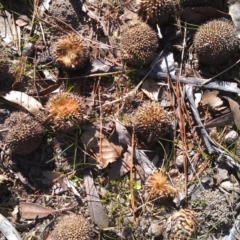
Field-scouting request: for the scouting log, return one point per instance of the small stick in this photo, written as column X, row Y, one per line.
column 210, row 79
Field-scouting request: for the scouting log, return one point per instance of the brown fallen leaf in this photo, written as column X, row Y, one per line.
column 221, row 121
column 150, row 88
column 210, row 98
column 32, row 210
column 103, row 151
column 234, row 106
column 106, row 152
column 96, row 210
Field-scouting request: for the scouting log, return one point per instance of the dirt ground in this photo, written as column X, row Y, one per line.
column 171, row 173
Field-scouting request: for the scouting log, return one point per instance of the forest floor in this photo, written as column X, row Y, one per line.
column 102, row 169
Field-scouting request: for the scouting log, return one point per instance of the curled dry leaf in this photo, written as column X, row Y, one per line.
column 103, row 150
column 22, row 21
column 234, row 106
column 150, row 88
column 22, row 99
column 210, row 98
column 106, row 152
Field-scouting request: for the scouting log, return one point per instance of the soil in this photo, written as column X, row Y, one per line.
column 62, row 173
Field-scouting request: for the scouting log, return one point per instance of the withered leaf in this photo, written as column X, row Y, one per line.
column 22, row 21
column 103, row 150
column 106, row 152
column 143, row 160
column 124, row 137
column 33, row 210
column 150, row 88
column 210, row 98
column 221, row 121
column 96, row 210
column 24, row 100
column 235, row 111
column 50, row 177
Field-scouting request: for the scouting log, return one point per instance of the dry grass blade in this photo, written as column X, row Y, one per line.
column 97, row 212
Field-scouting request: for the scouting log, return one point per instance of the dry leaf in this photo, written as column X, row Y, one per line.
column 2, row 178
column 22, row 99
column 90, row 138
column 210, row 98
column 103, row 150
column 96, row 210
column 235, row 111
column 143, row 160
column 220, row 121
column 33, row 210
column 22, row 21
column 106, row 152
column 124, row 137
column 50, row 177
column 119, row 168
column 151, row 89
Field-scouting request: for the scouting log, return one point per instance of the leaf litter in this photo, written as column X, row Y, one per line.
column 101, row 168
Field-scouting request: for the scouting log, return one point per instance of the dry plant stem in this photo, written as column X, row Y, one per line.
column 131, row 177
column 183, row 45
column 101, row 128
column 8, row 230
column 181, row 111
column 210, row 79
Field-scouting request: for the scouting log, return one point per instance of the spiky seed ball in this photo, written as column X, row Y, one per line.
column 156, row 11
column 74, row 227
column 138, row 44
column 215, row 41
column 70, row 52
column 157, row 185
column 151, row 122
column 180, row 226
column 24, row 133
column 65, row 111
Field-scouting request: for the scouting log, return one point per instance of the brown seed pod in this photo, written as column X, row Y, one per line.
column 74, row 227
column 156, row 11
column 215, row 41
column 157, row 185
column 138, row 44
column 70, row 52
column 65, row 111
column 180, row 226
column 24, row 133
column 151, row 122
